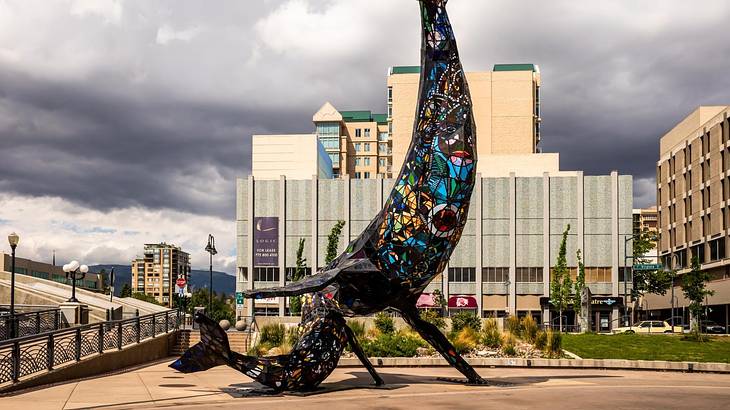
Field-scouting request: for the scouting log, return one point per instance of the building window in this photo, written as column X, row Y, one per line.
column 495, row 274
column 358, row 175
column 367, row 147
column 383, row 136
column 367, row 132
column 290, row 273
column 390, row 111
column 462, row 275
column 366, row 161
column 390, row 94
column 330, row 143
column 366, row 175
column 357, row 161
column 717, row 249
column 529, row 275
column 269, row 274
column 698, row 251
column 358, row 147
column 381, row 162
column 358, row 132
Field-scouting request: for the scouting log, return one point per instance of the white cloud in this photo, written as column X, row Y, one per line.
column 167, row 33
column 108, row 10
column 76, row 232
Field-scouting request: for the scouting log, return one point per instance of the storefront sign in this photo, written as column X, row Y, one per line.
column 607, row 301
column 463, row 302
column 266, row 241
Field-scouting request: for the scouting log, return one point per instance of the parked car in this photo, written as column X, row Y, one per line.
column 708, row 326
column 678, row 321
column 647, row 327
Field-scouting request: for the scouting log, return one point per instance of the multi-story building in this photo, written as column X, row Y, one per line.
column 645, row 219
column 42, row 270
column 296, row 156
column 502, row 263
column 693, row 195
column 155, row 273
column 356, row 141
column 506, row 105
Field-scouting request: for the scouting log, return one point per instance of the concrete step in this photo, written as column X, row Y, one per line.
column 238, row 341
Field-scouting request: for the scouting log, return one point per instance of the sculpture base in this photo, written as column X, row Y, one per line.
column 466, row 382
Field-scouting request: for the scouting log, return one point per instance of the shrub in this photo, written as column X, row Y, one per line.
column 465, row 318
column 513, row 325
column 433, row 317
column 540, row 340
column 358, row 328
column 554, row 346
column 393, row 345
column 529, row 329
column 272, row 334
column 384, row 323
column 466, row 340
column 508, row 344
column 292, row 335
column 491, row 336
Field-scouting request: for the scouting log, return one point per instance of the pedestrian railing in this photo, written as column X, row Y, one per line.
column 41, row 353
column 29, row 323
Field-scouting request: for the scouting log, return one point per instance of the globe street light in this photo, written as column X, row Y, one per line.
column 13, row 239
column 210, row 248
column 75, row 272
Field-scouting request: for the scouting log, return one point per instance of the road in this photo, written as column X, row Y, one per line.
column 407, row 388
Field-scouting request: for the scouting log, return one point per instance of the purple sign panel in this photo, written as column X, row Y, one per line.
column 266, row 241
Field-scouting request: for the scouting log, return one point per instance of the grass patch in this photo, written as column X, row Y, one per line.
column 648, row 347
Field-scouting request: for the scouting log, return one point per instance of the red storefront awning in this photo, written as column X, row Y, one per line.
column 463, row 302
column 426, row 301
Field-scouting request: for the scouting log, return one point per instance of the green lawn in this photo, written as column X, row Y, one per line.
column 647, row 347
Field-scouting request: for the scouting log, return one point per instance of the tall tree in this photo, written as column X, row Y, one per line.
column 295, row 302
column 561, row 285
column 333, row 241
column 126, row 291
column 580, row 283
column 655, row 281
column 694, row 287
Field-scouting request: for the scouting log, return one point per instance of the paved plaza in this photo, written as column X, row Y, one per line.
column 407, row 388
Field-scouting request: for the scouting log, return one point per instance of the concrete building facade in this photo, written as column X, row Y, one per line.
column 502, row 263
column 506, row 104
column 693, row 196
column 155, row 273
column 92, row 281
column 297, row 156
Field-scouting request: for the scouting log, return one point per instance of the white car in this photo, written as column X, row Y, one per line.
column 649, row 327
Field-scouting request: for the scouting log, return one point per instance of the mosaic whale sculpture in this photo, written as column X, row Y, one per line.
column 405, row 246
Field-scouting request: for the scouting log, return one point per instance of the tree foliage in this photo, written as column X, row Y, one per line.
column 333, row 240
column 694, row 287
column 146, row 298
column 222, row 307
column 655, row 281
column 580, row 283
column 561, row 286
column 126, row 291
column 295, row 302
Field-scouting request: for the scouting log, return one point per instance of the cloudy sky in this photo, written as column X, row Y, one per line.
column 125, row 122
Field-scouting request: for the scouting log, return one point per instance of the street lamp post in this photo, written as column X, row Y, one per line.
column 210, row 248
column 13, row 239
column 75, row 272
column 675, row 263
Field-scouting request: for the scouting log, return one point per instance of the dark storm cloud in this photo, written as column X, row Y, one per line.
column 154, row 107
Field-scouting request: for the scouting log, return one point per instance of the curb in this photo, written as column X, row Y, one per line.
column 609, row 364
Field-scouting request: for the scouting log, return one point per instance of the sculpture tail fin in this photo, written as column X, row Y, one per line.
column 212, row 350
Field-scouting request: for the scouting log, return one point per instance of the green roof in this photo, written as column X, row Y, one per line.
column 515, row 67
column 408, row 69
column 363, row 116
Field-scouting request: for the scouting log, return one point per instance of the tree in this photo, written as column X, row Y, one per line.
column 126, row 291
column 561, row 285
column 580, row 283
column 145, row 297
column 295, row 302
column 333, row 241
column 694, row 287
column 221, row 308
column 655, row 281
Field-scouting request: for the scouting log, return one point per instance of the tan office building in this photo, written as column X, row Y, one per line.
column 357, row 142
column 506, row 104
column 693, row 195
column 155, row 273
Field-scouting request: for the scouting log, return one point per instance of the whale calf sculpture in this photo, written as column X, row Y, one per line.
column 405, row 246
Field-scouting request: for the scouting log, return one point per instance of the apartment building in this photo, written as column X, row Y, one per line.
column 693, row 196
column 156, row 272
column 646, row 219
column 506, row 105
column 501, row 265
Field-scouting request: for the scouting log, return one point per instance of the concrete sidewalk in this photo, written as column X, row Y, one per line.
column 159, row 386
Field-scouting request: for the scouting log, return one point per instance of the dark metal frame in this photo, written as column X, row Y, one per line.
column 31, row 355
column 30, row 323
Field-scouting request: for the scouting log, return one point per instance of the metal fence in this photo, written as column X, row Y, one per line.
column 30, row 323
column 36, row 354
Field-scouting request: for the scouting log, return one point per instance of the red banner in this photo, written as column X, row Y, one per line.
column 463, row 302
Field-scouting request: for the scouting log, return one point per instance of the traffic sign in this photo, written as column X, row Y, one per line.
column 180, row 282
column 648, row 266
column 239, row 298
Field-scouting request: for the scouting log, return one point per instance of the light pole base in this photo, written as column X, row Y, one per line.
column 74, row 313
